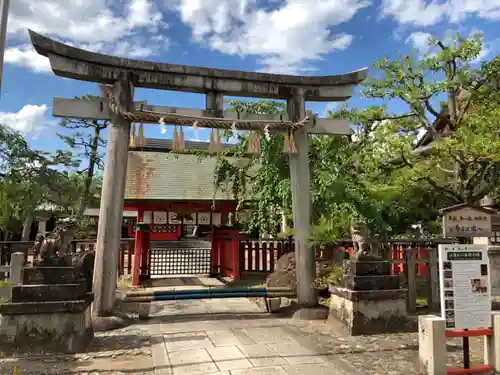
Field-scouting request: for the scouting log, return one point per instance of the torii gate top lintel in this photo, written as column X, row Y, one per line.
column 70, row 62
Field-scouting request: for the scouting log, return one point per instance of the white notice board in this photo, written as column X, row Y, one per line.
column 465, row 286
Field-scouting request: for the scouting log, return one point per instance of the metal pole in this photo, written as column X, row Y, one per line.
column 4, row 9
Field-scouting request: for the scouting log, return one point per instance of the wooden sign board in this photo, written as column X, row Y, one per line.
column 466, row 221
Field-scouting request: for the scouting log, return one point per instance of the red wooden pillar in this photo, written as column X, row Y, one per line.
column 136, row 266
column 422, row 267
column 145, row 263
column 214, row 254
column 235, row 246
column 136, row 269
column 226, row 251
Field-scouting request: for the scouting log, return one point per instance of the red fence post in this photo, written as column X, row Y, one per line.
column 214, row 255
column 235, row 246
column 121, row 258
column 130, row 250
column 145, row 258
column 136, row 268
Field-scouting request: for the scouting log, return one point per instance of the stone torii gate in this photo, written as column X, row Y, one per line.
column 124, row 74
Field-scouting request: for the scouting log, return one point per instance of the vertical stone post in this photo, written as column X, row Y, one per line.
column 284, row 223
column 432, row 344
column 16, row 269
column 492, row 343
column 301, row 203
column 215, row 102
column 111, row 209
column 42, row 226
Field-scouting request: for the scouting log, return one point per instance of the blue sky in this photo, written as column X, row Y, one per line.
column 313, row 37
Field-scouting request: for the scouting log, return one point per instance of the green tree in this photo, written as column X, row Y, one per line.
column 86, row 141
column 389, row 183
column 375, row 176
column 28, row 178
column 265, row 179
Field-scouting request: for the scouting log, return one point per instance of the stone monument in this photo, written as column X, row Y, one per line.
column 370, row 300
column 49, row 312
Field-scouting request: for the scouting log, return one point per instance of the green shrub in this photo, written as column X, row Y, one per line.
column 331, row 276
column 4, row 283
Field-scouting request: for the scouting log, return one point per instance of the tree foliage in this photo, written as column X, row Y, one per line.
column 377, row 175
column 28, row 178
column 86, row 142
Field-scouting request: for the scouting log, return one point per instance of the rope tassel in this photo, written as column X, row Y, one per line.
column 195, row 128
column 218, row 142
column 181, row 140
column 211, row 145
column 253, row 143
column 293, row 147
column 175, row 140
column 132, row 135
column 140, row 137
column 286, row 144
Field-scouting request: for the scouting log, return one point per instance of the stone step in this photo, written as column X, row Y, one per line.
column 50, row 307
column 48, row 292
column 51, row 275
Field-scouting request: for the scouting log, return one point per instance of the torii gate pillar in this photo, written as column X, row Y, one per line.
column 301, row 203
column 111, row 209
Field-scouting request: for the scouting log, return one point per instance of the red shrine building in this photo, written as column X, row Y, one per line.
column 180, row 222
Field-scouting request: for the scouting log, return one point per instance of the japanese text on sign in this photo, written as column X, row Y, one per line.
column 467, row 222
column 465, row 286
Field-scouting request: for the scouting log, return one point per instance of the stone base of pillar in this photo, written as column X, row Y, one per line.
column 302, row 312
column 108, row 323
column 42, row 328
column 370, row 301
column 311, row 313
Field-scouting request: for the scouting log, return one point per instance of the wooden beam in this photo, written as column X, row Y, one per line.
column 327, row 126
column 99, row 110
column 85, row 109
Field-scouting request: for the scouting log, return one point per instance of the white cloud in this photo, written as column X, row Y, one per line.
column 25, row 55
column 420, row 41
column 82, row 21
column 29, row 120
column 285, row 39
column 485, row 52
column 431, row 12
column 330, row 107
column 132, row 29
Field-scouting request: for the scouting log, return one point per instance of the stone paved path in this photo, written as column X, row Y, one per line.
column 232, row 337
column 195, row 337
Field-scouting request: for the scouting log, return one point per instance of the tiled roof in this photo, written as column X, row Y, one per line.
column 166, row 145
column 169, row 176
